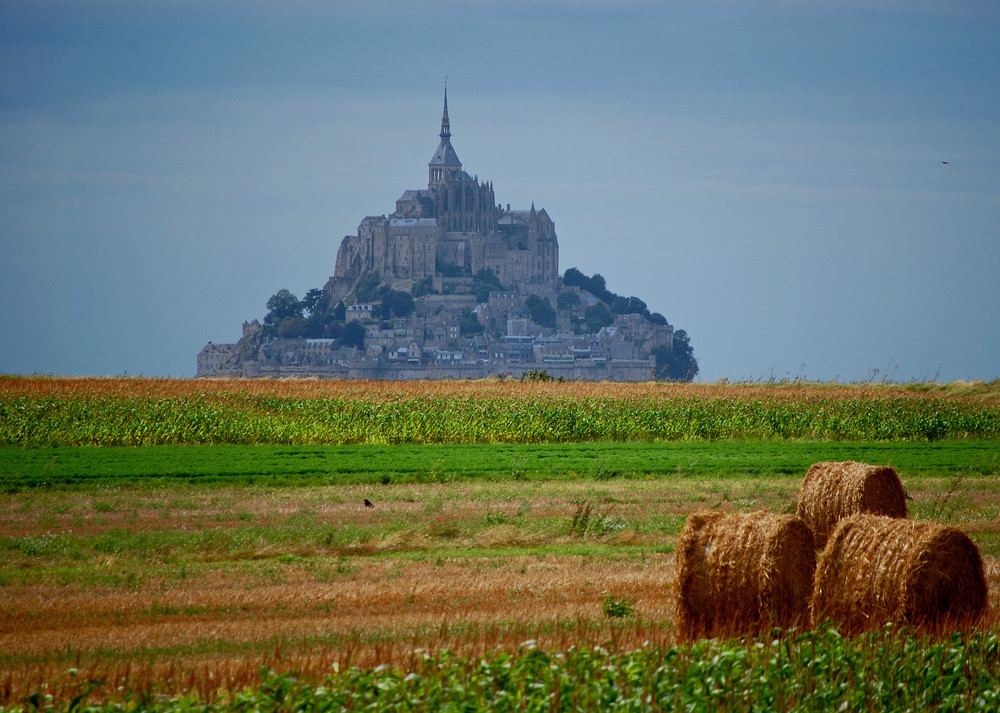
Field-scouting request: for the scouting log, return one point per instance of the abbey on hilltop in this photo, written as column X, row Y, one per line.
column 453, row 284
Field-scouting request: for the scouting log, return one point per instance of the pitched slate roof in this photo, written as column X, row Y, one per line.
column 445, row 155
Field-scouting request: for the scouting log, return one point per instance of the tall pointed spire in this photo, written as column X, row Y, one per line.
column 444, row 163
column 445, row 124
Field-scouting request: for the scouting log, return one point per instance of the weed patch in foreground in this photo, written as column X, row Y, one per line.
column 818, row 671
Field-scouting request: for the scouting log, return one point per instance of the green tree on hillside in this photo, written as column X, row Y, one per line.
column 483, row 283
column 573, row 277
column 542, row 312
column 595, row 285
column 315, row 327
column 424, row 287
column 353, row 335
column 396, row 303
column 597, row 316
column 629, row 305
column 313, row 302
column 292, row 327
column 678, row 364
column 567, row 300
column 468, row 324
column 283, row 304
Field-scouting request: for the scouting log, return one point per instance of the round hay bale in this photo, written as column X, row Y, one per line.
column 741, row 573
column 832, row 491
column 881, row 569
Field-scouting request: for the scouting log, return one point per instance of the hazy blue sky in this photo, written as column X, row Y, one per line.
column 768, row 175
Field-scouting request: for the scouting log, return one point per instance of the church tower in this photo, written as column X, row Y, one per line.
column 444, row 164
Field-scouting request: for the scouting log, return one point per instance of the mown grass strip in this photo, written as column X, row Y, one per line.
column 371, row 464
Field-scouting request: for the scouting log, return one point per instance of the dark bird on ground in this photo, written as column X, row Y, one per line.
column 945, row 162
column 368, row 503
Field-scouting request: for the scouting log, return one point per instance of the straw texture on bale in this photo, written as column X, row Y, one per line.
column 832, row 491
column 741, row 573
column 880, row 569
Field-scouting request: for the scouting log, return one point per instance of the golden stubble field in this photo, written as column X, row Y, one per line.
column 185, row 588
column 142, row 387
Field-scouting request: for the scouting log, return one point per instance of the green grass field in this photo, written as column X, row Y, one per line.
column 370, row 464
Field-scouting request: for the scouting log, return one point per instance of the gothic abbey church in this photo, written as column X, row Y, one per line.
column 454, row 225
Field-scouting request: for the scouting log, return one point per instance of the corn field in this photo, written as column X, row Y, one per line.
column 138, row 412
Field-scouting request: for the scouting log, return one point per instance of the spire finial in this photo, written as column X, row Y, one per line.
column 445, row 124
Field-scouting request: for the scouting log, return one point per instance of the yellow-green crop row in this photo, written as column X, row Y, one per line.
column 125, row 421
